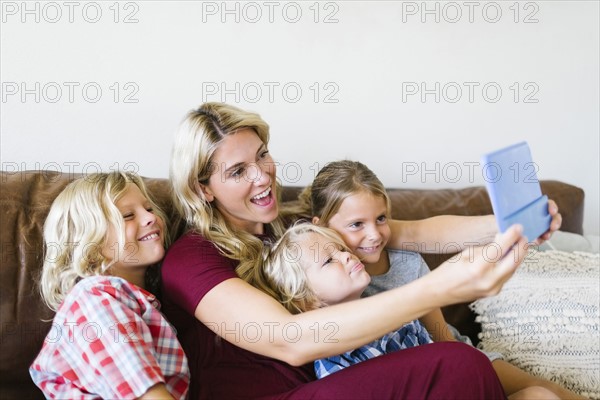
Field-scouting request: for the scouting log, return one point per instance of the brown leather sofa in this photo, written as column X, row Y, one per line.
column 25, row 198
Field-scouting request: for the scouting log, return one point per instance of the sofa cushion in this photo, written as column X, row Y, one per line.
column 546, row 319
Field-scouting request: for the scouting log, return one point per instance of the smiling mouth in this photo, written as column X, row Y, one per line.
column 150, row 236
column 262, row 199
column 369, row 249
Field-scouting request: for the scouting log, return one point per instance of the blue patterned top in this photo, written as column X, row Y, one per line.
column 410, row 335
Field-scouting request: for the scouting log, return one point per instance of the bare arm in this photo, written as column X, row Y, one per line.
column 453, row 233
column 256, row 322
column 442, row 234
column 436, row 325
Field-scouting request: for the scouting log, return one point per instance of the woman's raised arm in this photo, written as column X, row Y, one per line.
column 250, row 319
column 452, row 233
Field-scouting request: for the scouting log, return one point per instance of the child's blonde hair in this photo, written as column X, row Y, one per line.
column 77, row 228
column 198, row 138
column 335, row 182
column 284, row 268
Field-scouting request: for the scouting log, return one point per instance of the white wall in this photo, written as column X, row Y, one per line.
column 357, row 73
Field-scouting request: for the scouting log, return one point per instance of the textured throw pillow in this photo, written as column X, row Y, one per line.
column 546, row 319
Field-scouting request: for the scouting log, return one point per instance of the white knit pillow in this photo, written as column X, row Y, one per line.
column 546, row 319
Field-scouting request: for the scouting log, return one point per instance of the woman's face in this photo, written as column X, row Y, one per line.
column 242, row 185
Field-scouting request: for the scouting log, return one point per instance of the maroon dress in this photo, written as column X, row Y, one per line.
column 221, row 370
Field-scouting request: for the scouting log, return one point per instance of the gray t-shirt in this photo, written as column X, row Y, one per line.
column 405, row 267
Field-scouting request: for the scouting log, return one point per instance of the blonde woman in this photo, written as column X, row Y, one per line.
column 241, row 342
column 108, row 338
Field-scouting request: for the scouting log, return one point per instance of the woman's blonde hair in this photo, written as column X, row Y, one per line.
column 199, row 136
column 77, row 228
column 283, row 268
column 335, row 182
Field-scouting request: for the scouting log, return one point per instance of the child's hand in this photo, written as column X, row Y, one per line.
column 482, row 271
column 554, row 224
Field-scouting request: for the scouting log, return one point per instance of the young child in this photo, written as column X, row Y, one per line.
column 108, row 338
column 310, row 267
column 349, row 198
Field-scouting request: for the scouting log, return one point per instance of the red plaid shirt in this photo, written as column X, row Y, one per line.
column 108, row 340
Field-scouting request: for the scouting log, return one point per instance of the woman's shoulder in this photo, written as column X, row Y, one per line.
column 192, row 267
column 191, row 240
column 193, row 254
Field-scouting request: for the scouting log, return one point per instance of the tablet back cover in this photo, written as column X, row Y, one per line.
column 514, row 190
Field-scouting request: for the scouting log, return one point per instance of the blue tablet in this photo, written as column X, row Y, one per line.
column 511, row 179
